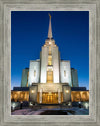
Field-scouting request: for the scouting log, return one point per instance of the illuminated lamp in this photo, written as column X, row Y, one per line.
column 67, row 91
column 33, row 91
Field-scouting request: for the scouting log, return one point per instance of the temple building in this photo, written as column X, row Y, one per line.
column 49, row 80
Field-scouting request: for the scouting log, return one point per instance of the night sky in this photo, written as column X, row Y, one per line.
column 29, row 30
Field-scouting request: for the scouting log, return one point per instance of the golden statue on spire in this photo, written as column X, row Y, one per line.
column 49, row 15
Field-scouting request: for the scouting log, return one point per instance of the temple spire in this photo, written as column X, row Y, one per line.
column 50, row 29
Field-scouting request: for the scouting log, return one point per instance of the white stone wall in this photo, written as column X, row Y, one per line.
column 49, row 87
column 65, row 66
column 34, row 66
column 56, row 64
column 44, row 62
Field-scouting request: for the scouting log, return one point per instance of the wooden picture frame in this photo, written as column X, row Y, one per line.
column 6, row 6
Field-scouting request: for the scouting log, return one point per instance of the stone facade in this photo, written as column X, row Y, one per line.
column 44, row 60
column 50, row 87
column 56, row 64
column 34, row 72
column 65, row 72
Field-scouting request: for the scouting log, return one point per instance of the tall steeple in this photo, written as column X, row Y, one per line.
column 49, row 41
column 50, row 29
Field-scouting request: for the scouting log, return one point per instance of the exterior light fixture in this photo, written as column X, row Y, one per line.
column 14, row 105
column 33, row 91
column 59, row 101
column 67, row 91
column 86, row 105
column 31, row 104
column 79, row 102
column 69, row 104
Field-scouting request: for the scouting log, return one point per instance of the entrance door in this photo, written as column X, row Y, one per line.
column 49, row 99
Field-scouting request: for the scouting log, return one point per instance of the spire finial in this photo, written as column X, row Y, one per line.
column 50, row 29
column 49, row 15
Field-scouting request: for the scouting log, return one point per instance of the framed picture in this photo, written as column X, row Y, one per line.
column 37, row 91
column 50, row 81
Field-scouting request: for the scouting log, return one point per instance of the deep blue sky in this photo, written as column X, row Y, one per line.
column 29, row 30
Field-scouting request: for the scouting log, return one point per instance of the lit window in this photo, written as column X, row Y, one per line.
column 49, row 60
column 34, row 73
column 64, row 73
column 49, row 76
column 49, row 50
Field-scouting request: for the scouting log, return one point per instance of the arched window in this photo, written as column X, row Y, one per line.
column 64, row 73
column 34, row 73
column 49, row 60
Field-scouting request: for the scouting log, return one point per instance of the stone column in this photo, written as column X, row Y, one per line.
column 40, row 99
column 66, row 93
column 59, row 96
column 33, row 94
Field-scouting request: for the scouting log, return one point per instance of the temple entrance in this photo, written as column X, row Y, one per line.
column 50, row 98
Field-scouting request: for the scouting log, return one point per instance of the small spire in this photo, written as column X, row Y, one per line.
column 49, row 15
column 50, row 29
